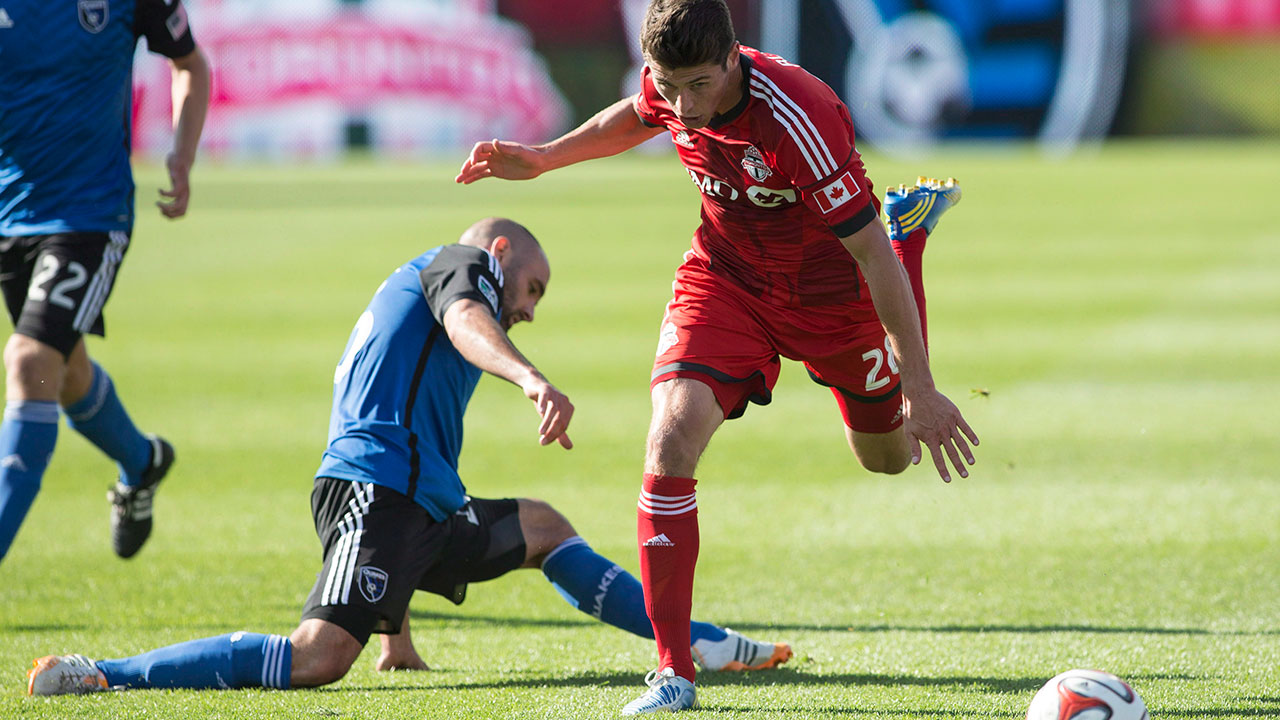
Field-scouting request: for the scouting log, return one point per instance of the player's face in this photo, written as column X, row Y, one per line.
column 701, row 92
column 522, row 291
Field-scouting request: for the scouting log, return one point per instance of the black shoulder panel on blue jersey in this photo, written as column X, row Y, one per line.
column 458, row 272
column 165, row 26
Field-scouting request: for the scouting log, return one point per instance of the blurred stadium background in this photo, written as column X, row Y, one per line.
column 312, row 79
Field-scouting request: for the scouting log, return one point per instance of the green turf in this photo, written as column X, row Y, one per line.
column 1109, row 323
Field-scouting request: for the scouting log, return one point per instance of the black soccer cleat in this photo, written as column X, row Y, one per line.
column 131, row 504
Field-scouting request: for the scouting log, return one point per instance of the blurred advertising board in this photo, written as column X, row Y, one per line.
column 1216, row 18
column 313, row 78
column 915, row 72
column 1209, row 67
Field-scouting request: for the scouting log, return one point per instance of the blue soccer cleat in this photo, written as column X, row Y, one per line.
column 907, row 209
column 667, row 692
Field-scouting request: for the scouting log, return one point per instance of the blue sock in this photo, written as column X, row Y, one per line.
column 603, row 590
column 27, row 437
column 101, row 418
column 230, row 661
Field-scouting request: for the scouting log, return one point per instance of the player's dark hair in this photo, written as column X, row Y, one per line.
column 686, row 33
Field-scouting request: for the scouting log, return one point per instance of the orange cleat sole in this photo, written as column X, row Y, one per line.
column 781, row 654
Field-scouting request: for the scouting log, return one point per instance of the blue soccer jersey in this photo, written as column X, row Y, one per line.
column 401, row 388
column 66, row 90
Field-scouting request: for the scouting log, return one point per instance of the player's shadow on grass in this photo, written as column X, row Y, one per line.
column 976, row 629
column 780, row 676
column 807, row 712
column 566, row 622
column 196, row 629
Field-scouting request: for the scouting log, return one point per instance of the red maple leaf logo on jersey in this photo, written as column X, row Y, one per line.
column 837, row 193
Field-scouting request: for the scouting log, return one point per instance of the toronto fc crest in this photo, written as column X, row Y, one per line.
column 753, row 163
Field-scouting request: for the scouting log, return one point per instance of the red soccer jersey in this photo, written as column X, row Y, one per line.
column 781, row 181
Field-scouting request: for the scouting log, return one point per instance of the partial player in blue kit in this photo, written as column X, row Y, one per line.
column 66, row 218
column 389, row 507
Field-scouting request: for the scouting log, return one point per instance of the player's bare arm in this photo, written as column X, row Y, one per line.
column 398, row 652
column 190, row 85
column 477, row 335
column 929, row 417
column 612, row 130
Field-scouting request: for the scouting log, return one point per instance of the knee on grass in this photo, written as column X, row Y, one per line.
column 322, row 653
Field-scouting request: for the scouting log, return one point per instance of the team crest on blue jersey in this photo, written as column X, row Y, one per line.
column 489, row 293
column 93, row 14
column 373, row 583
column 753, row 163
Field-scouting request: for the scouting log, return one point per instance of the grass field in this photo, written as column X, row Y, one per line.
column 1109, row 323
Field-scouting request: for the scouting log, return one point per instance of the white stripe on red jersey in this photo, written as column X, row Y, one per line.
column 797, row 122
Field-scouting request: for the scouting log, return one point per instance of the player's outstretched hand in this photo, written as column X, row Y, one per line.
column 410, row 661
column 500, row 159
column 935, row 422
column 555, row 410
column 179, row 192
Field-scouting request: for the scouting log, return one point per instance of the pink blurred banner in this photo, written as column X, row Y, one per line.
column 412, row 80
column 1231, row 18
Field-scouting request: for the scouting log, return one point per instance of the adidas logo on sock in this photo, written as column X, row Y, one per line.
column 659, row 540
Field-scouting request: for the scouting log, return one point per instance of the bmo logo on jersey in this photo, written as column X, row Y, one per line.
column 761, row 196
column 713, row 187
column 771, row 197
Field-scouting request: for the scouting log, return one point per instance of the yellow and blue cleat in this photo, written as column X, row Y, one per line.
column 908, row 208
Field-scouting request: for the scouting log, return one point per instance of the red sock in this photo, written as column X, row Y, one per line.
column 911, row 253
column 667, row 530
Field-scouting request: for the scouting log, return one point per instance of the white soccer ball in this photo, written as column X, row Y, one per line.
column 1086, row 695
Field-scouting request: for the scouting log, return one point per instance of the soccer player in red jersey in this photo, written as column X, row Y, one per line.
column 790, row 260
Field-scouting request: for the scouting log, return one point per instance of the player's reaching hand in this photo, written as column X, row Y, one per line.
column 179, row 192
column 410, row 661
column 935, row 422
column 500, row 159
column 555, row 410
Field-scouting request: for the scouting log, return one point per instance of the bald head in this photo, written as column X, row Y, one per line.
column 525, row 268
column 483, row 233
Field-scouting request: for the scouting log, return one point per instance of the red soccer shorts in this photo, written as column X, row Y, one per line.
column 715, row 332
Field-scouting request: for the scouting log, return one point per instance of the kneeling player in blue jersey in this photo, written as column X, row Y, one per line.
column 388, row 504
